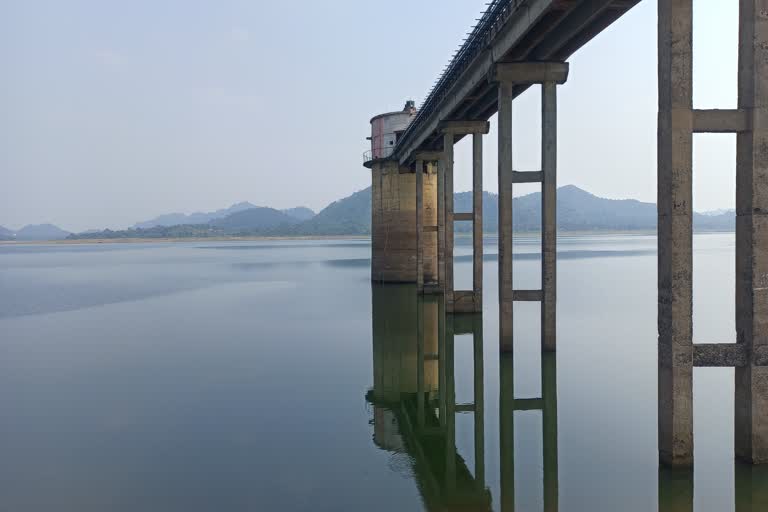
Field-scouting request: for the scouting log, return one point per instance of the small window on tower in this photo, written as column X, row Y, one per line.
column 391, row 142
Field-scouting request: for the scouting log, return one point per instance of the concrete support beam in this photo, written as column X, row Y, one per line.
column 527, row 295
column 505, row 216
column 548, row 216
column 751, row 403
column 675, row 138
column 719, row 355
column 531, row 72
column 548, row 74
column 721, row 121
column 527, row 177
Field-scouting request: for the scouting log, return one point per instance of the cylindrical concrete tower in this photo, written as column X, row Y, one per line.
column 393, row 222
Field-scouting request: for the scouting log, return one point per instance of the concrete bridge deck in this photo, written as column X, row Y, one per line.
column 509, row 31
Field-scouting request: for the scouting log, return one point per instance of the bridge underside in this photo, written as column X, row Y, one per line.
column 538, row 30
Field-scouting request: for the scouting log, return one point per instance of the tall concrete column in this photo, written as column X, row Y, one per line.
column 751, row 403
column 675, row 136
column 464, row 301
column 548, row 216
column 449, row 224
column 477, row 221
column 441, row 224
column 505, row 216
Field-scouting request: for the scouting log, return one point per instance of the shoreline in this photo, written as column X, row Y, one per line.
column 96, row 241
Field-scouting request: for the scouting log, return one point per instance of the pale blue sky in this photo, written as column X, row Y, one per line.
column 114, row 112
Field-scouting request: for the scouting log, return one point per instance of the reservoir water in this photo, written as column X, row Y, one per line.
column 272, row 375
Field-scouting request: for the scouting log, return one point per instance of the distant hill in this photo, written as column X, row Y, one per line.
column 41, row 232
column 348, row 216
column 577, row 210
column 261, row 220
column 300, row 213
column 174, row 219
column 6, row 234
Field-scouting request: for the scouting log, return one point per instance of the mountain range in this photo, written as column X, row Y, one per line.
column 175, row 219
column 34, row 232
column 578, row 210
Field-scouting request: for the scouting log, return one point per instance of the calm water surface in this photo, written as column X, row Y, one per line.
column 274, row 376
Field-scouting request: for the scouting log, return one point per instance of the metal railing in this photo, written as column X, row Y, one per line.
column 373, row 154
column 477, row 39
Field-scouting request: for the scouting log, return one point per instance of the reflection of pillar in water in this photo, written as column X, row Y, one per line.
column 477, row 342
column 507, row 407
column 675, row 489
column 507, row 431
column 549, row 429
column 751, row 488
column 395, row 347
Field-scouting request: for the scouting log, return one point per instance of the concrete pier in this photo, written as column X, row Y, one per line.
column 393, row 226
column 464, row 301
column 394, row 222
column 675, row 142
column 509, row 76
column 678, row 121
column 752, row 235
column 505, row 216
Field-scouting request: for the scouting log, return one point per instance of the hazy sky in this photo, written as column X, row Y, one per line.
column 114, row 112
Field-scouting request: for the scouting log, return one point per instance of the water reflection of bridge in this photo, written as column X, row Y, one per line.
column 415, row 407
column 414, row 413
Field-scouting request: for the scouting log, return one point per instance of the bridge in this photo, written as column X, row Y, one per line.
column 517, row 44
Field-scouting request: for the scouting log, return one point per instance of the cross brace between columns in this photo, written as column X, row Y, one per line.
column 727, row 355
column 721, row 121
column 527, row 295
column 527, row 177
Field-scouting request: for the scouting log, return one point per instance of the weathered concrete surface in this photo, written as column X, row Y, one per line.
column 719, row 355
column 477, row 221
column 505, row 216
column 675, row 138
column 751, row 402
column 393, row 224
column 430, row 219
column 549, row 216
column 449, row 222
